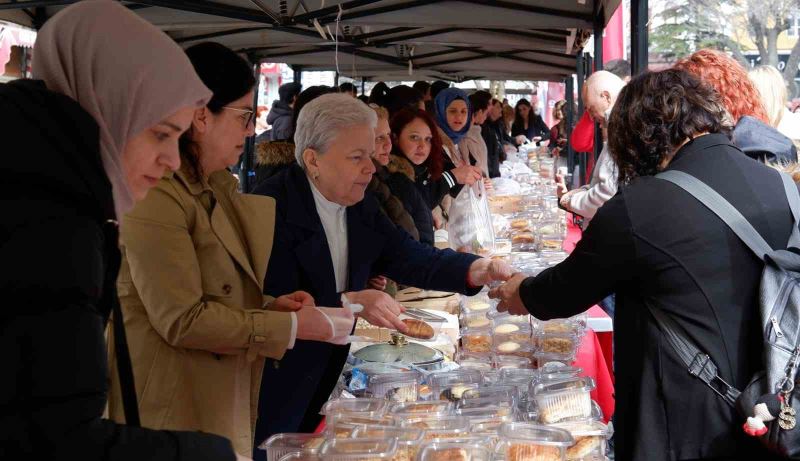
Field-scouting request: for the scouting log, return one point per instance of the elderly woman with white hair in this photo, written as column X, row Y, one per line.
column 330, row 238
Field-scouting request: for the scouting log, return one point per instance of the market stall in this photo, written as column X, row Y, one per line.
column 469, row 382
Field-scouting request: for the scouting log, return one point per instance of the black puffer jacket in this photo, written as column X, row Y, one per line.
column 58, row 267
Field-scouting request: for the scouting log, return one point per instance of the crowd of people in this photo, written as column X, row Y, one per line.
column 229, row 315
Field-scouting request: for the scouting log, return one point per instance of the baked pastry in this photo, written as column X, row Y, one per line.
column 448, row 454
column 523, row 452
column 478, row 305
column 584, row 446
column 519, row 223
column 549, row 244
column 557, row 327
column 478, row 322
column 477, row 343
column 558, row 345
column 505, row 329
column 508, row 347
column 315, row 443
column 418, row 329
column 523, row 237
column 454, row 393
column 569, row 406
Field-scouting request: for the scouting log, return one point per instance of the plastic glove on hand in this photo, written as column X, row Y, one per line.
column 325, row 324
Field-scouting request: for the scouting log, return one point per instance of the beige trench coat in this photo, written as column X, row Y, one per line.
column 190, row 288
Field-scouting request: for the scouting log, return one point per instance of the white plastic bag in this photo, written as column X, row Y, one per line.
column 470, row 225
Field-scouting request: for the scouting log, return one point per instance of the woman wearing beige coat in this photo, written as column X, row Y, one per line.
column 195, row 255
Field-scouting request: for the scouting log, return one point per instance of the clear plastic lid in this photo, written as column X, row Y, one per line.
column 556, row 343
column 501, row 392
column 403, row 435
column 538, row 434
column 564, row 386
column 395, row 387
column 436, row 408
column 449, row 378
column 497, row 414
column 293, row 441
column 358, row 449
column 510, row 361
column 359, row 419
column 366, row 407
column 484, row 402
column 585, row 428
column 517, row 375
column 555, row 371
column 299, row 456
column 476, row 320
column 431, row 422
column 434, row 434
column 557, row 326
column 455, row 451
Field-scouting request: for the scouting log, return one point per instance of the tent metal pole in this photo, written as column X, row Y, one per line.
column 599, row 22
column 639, row 38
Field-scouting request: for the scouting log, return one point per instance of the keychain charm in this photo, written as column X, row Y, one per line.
column 786, row 419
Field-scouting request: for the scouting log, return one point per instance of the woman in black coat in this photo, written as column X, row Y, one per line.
column 330, row 238
column 95, row 155
column 656, row 246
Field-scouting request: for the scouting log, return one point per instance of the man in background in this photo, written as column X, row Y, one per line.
column 280, row 116
column 348, row 88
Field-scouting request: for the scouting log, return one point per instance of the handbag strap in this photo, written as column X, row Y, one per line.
column 124, row 367
column 697, row 363
column 722, row 208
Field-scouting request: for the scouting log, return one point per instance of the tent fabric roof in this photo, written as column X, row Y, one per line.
column 379, row 39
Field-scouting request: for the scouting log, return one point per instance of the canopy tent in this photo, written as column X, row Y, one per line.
column 380, row 39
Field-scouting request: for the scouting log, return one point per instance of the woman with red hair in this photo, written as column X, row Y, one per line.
column 417, row 140
column 752, row 133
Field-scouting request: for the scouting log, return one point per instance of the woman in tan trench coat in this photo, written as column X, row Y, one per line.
column 195, row 255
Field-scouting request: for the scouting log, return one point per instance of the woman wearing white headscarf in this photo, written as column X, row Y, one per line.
column 82, row 144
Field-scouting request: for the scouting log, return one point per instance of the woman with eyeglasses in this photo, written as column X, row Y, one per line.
column 195, row 255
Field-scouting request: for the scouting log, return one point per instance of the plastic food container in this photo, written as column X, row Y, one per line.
column 499, row 392
column 474, row 360
column 476, row 340
column 532, row 442
column 503, row 413
column 554, row 372
column 280, row 445
column 512, row 330
column 489, row 431
column 559, row 326
column 590, row 437
column 511, row 361
column 484, row 402
column 455, row 451
column 564, row 399
column 476, row 320
column 499, row 318
column 359, row 449
column 362, row 407
column 556, row 343
column 512, row 345
column 299, row 456
column 395, row 387
column 543, row 359
column 451, row 385
column 417, row 409
column 434, row 423
column 342, row 425
column 409, row 441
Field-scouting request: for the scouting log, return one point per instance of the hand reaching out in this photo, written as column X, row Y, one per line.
column 508, row 294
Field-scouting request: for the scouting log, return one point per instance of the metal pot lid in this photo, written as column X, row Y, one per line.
column 410, row 353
